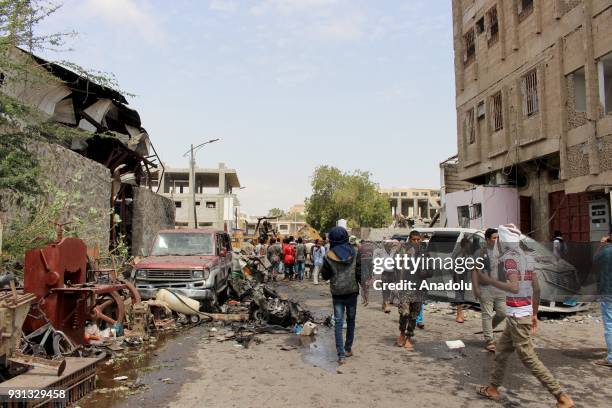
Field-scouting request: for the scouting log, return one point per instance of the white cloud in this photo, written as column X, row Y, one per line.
column 124, row 13
column 342, row 28
column 291, row 6
column 227, row 6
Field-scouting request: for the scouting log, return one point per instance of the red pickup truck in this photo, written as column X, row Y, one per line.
column 193, row 262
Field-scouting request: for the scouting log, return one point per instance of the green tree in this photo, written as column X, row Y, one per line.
column 276, row 212
column 352, row 196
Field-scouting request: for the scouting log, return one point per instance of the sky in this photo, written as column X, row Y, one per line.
column 287, row 85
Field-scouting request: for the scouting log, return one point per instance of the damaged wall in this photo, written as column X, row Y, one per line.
column 86, row 183
column 151, row 213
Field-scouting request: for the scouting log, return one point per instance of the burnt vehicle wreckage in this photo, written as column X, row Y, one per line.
column 69, row 315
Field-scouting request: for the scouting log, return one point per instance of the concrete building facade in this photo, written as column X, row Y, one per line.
column 215, row 202
column 534, row 108
column 413, row 202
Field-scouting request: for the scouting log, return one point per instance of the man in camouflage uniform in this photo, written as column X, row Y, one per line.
column 410, row 301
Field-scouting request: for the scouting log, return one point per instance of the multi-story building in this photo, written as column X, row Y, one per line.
column 215, row 202
column 413, row 202
column 534, row 108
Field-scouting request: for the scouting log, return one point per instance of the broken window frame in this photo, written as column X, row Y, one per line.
column 529, row 87
column 524, row 9
column 497, row 113
column 470, row 126
column 492, row 26
column 469, row 47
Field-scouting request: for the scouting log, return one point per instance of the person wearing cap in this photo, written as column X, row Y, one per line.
column 518, row 279
column 342, row 267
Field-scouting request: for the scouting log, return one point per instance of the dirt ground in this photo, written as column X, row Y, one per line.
column 192, row 370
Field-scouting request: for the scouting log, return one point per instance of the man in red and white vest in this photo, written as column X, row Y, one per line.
column 519, row 281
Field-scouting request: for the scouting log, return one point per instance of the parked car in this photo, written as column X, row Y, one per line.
column 193, row 262
column 559, row 281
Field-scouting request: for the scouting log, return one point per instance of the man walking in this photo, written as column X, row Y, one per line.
column 492, row 300
column 411, row 300
column 274, row 253
column 342, row 267
column 520, row 283
column 603, row 262
column 300, row 258
column 387, row 251
column 318, row 255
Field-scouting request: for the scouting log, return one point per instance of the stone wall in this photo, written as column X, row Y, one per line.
column 151, row 213
column 86, row 183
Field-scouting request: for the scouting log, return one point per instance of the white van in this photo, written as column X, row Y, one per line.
column 559, row 282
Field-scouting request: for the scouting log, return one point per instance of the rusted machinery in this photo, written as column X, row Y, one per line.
column 57, row 275
column 14, row 307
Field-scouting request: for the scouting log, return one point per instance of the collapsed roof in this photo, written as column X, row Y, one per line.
column 113, row 133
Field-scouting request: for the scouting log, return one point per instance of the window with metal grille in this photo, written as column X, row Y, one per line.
column 470, row 47
column 497, row 115
column 525, row 7
column 470, row 130
column 530, row 93
column 480, row 26
column 493, row 26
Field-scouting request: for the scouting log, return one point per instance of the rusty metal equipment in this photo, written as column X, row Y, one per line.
column 14, row 308
column 78, row 380
column 57, row 275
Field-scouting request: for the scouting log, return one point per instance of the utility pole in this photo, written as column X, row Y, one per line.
column 193, row 188
column 192, row 164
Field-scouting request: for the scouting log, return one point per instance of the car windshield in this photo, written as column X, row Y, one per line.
column 185, row 244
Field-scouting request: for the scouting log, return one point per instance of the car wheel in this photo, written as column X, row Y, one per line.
column 211, row 305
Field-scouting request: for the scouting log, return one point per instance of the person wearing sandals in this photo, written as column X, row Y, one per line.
column 491, row 299
column 464, row 251
column 411, row 300
column 519, row 281
column 603, row 263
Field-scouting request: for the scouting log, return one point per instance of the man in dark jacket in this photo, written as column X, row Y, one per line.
column 342, row 267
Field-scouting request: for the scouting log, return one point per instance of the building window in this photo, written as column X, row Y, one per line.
column 469, row 47
column 211, row 204
column 463, row 216
column 404, row 194
column 605, row 82
column 529, row 86
column 469, row 126
column 497, row 120
column 197, row 203
column 283, row 227
column 476, row 211
column 525, row 8
column 493, row 26
column 396, row 194
column 480, row 26
column 178, row 204
column 480, row 110
column 579, row 85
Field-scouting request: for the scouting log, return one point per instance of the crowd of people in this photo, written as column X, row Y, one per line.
column 506, row 287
